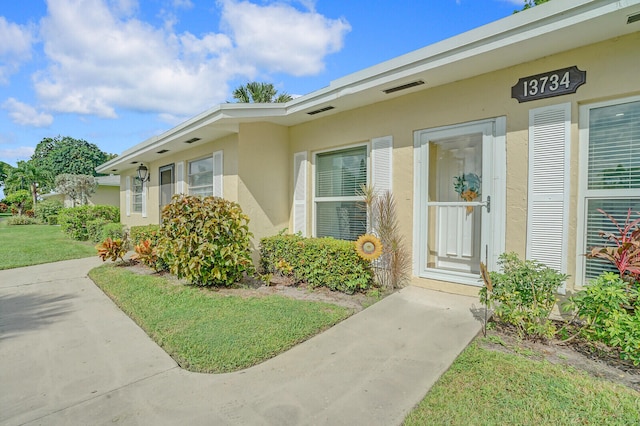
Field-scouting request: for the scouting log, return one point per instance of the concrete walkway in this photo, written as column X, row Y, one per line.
column 69, row 356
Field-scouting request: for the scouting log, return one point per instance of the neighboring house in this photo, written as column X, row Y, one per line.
column 107, row 193
column 420, row 123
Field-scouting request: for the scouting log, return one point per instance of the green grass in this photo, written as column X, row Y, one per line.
column 24, row 245
column 485, row 387
column 208, row 332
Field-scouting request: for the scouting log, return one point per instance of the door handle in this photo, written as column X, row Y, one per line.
column 487, row 203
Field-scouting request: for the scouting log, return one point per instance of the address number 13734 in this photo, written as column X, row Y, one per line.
column 546, row 85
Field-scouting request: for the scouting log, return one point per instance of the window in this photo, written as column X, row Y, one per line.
column 201, row 177
column 136, row 196
column 339, row 210
column 611, row 173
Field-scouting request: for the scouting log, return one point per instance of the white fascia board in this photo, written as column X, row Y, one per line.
column 220, row 113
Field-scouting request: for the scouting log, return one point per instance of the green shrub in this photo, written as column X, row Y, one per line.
column 47, row 208
column 113, row 231
column 523, row 295
column 52, row 220
column 611, row 314
column 138, row 234
column 94, row 229
column 205, row 240
column 74, row 221
column 22, row 220
column 316, row 261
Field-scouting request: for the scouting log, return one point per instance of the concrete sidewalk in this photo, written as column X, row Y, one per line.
column 69, row 356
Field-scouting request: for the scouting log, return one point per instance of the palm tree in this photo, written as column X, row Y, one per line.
column 28, row 175
column 259, row 93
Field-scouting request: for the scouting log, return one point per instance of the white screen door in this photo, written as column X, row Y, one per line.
column 455, row 192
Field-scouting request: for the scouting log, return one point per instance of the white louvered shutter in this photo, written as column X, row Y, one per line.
column 549, row 139
column 218, row 174
column 127, row 195
column 180, row 186
column 145, row 192
column 300, row 193
column 381, row 164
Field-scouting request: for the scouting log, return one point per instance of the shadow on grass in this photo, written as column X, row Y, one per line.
column 29, row 312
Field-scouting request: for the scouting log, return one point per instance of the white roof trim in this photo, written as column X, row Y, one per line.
column 540, row 31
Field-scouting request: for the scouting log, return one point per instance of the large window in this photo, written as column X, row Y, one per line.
column 136, row 196
column 339, row 210
column 201, row 177
column 612, row 172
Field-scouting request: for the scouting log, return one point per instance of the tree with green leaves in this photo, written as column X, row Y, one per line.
column 528, row 4
column 255, row 92
column 77, row 187
column 20, row 200
column 27, row 175
column 4, row 171
column 68, row 155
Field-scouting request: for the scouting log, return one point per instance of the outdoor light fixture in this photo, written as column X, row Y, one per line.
column 143, row 173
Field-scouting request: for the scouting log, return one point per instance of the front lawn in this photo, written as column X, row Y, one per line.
column 25, row 245
column 485, row 387
column 205, row 331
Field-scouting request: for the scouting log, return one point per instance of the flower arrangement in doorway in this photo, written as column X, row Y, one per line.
column 467, row 185
column 368, row 247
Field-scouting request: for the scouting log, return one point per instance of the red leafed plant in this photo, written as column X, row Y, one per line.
column 112, row 249
column 625, row 251
column 146, row 253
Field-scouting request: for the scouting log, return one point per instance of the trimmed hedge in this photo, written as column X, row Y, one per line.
column 48, row 208
column 325, row 262
column 78, row 222
column 141, row 233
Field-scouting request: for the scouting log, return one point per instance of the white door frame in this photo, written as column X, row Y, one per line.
column 493, row 185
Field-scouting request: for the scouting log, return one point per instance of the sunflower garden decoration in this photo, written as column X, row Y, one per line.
column 368, row 247
column 468, row 187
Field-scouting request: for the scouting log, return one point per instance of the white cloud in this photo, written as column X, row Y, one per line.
column 15, row 47
column 280, row 38
column 102, row 59
column 10, row 155
column 26, row 115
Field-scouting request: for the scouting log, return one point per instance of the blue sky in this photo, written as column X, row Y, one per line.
column 116, row 72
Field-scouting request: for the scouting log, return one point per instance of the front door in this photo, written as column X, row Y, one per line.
column 456, row 175
column 167, row 185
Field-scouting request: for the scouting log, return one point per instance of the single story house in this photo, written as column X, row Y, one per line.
column 107, row 193
column 508, row 137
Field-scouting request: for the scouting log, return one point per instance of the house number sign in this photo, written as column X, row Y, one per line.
column 549, row 84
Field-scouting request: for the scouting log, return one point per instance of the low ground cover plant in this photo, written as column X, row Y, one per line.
column 22, row 220
column 36, row 244
column 317, row 262
column 487, row 387
column 206, row 331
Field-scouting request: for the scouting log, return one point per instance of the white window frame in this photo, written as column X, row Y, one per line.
column 188, row 174
column 314, row 199
column 137, row 190
column 583, row 192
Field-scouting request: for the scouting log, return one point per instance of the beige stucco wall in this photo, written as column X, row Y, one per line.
column 202, row 149
column 105, row 195
column 263, row 177
column 612, row 72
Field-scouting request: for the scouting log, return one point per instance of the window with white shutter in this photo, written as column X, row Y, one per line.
column 300, row 193
column 610, row 176
column 548, row 196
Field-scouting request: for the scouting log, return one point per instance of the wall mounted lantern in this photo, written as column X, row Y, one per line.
column 143, row 174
